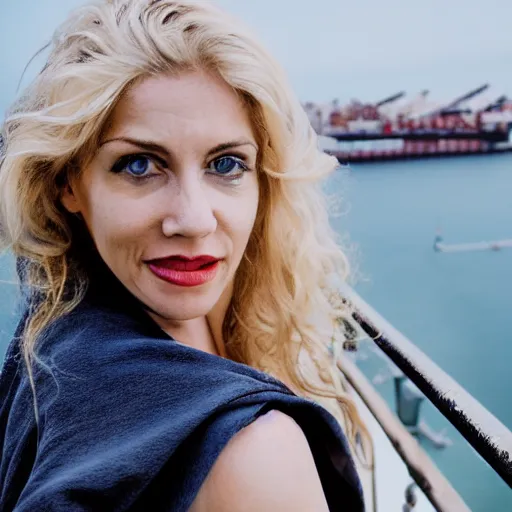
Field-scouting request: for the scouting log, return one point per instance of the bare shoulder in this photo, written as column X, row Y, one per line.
column 266, row 466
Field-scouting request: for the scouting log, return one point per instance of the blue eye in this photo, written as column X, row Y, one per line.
column 228, row 166
column 138, row 166
column 135, row 165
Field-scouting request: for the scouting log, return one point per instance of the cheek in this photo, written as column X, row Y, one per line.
column 240, row 215
column 116, row 222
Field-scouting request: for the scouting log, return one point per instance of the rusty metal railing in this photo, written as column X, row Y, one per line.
column 483, row 431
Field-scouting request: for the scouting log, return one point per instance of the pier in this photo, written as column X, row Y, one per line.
column 440, row 246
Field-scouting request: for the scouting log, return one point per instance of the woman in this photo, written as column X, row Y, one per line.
column 159, row 190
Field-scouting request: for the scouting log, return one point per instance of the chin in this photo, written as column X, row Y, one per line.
column 182, row 314
column 176, row 303
column 185, row 306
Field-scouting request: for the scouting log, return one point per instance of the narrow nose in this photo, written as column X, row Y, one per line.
column 190, row 211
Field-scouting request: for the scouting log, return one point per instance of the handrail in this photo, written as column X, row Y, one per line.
column 424, row 472
column 484, row 432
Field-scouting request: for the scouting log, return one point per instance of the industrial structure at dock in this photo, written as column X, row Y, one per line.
column 402, row 126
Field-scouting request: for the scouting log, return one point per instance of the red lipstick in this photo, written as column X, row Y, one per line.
column 184, row 270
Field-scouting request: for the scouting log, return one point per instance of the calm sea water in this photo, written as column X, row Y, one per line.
column 456, row 307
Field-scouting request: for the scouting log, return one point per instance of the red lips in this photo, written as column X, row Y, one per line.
column 185, row 264
column 185, row 271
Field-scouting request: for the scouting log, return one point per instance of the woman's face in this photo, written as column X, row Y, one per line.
column 171, row 195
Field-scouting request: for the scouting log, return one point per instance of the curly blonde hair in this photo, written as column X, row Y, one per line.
column 280, row 320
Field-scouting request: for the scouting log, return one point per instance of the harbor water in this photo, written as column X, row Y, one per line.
column 454, row 306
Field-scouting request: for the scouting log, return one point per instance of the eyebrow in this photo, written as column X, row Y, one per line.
column 152, row 146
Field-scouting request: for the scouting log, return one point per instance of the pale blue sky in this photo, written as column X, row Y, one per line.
column 330, row 48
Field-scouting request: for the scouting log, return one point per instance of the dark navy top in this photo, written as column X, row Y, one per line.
column 131, row 419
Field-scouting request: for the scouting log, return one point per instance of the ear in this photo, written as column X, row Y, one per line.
column 69, row 199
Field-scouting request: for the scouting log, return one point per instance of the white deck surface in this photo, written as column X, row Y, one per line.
column 391, row 475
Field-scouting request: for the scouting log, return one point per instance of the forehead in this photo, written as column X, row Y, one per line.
column 196, row 103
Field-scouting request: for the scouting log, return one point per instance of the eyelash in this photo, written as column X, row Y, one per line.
column 123, row 162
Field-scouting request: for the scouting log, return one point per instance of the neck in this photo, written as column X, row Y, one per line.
column 215, row 319
column 203, row 333
column 195, row 333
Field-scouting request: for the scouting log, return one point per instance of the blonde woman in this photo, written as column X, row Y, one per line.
column 159, row 189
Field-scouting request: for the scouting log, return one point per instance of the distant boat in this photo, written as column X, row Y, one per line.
column 496, row 245
column 417, row 126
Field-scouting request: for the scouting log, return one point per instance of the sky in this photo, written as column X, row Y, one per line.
column 365, row 49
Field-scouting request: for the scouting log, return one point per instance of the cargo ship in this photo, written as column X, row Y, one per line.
column 402, row 126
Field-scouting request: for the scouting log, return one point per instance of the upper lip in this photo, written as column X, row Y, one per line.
column 203, row 258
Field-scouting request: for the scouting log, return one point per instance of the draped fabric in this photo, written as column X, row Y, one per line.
column 130, row 419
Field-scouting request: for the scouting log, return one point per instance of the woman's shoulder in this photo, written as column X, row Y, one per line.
column 97, row 361
column 127, row 415
column 268, row 462
column 111, row 346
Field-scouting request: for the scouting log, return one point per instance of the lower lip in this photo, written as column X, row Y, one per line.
column 186, row 278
